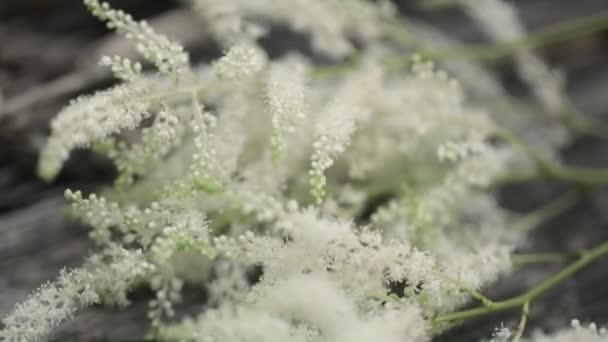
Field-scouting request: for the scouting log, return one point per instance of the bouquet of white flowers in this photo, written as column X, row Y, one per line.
column 361, row 190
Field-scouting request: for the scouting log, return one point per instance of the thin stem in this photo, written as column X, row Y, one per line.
column 67, row 84
column 548, row 211
column 547, row 36
column 589, row 177
column 585, row 124
column 516, row 177
column 473, row 293
column 518, row 143
column 525, row 312
column 538, row 258
column 585, row 259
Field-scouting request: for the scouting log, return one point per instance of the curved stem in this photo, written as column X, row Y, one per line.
column 525, row 311
column 585, row 259
column 473, row 293
column 589, row 177
column 547, row 36
column 516, row 177
column 548, row 211
column 528, row 221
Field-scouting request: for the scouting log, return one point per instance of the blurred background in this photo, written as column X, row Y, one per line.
column 48, row 54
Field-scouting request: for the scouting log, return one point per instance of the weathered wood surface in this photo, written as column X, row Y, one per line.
column 43, row 40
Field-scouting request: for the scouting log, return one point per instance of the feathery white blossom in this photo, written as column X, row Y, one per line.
column 333, row 134
column 329, row 23
column 166, row 55
column 285, row 99
column 201, row 188
column 243, row 324
column 122, row 68
column 225, row 19
column 240, row 62
column 459, row 150
column 90, row 118
column 55, row 302
column 156, row 142
column 501, row 334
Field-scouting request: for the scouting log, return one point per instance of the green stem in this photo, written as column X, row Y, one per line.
column 473, row 293
column 585, row 259
column 525, row 312
column 542, row 164
column 548, row 211
column 516, row 177
column 538, row 258
column 547, row 36
column 528, row 221
column 589, row 177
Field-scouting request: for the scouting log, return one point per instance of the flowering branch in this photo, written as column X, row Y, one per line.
column 586, row 258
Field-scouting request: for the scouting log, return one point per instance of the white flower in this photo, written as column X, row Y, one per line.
column 285, row 100
column 55, row 302
column 240, row 62
column 122, row 67
column 333, row 134
column 166, row 55
column 453, row 151
column 501, row 334
column 91, row 118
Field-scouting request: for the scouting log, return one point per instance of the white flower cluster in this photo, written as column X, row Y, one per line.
column 285, row 97
column 330, row 24
column 333, row 136
column 91, row 118
column 500, row 20
column 122, row 68
column 55, row 302
column 459, row 150
column 224, row 20
column 240, row 62
column 501, row 334
column 166, row 55
column 402, row 225
column 135, row 224
column 275, row 307
column 156, row 142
